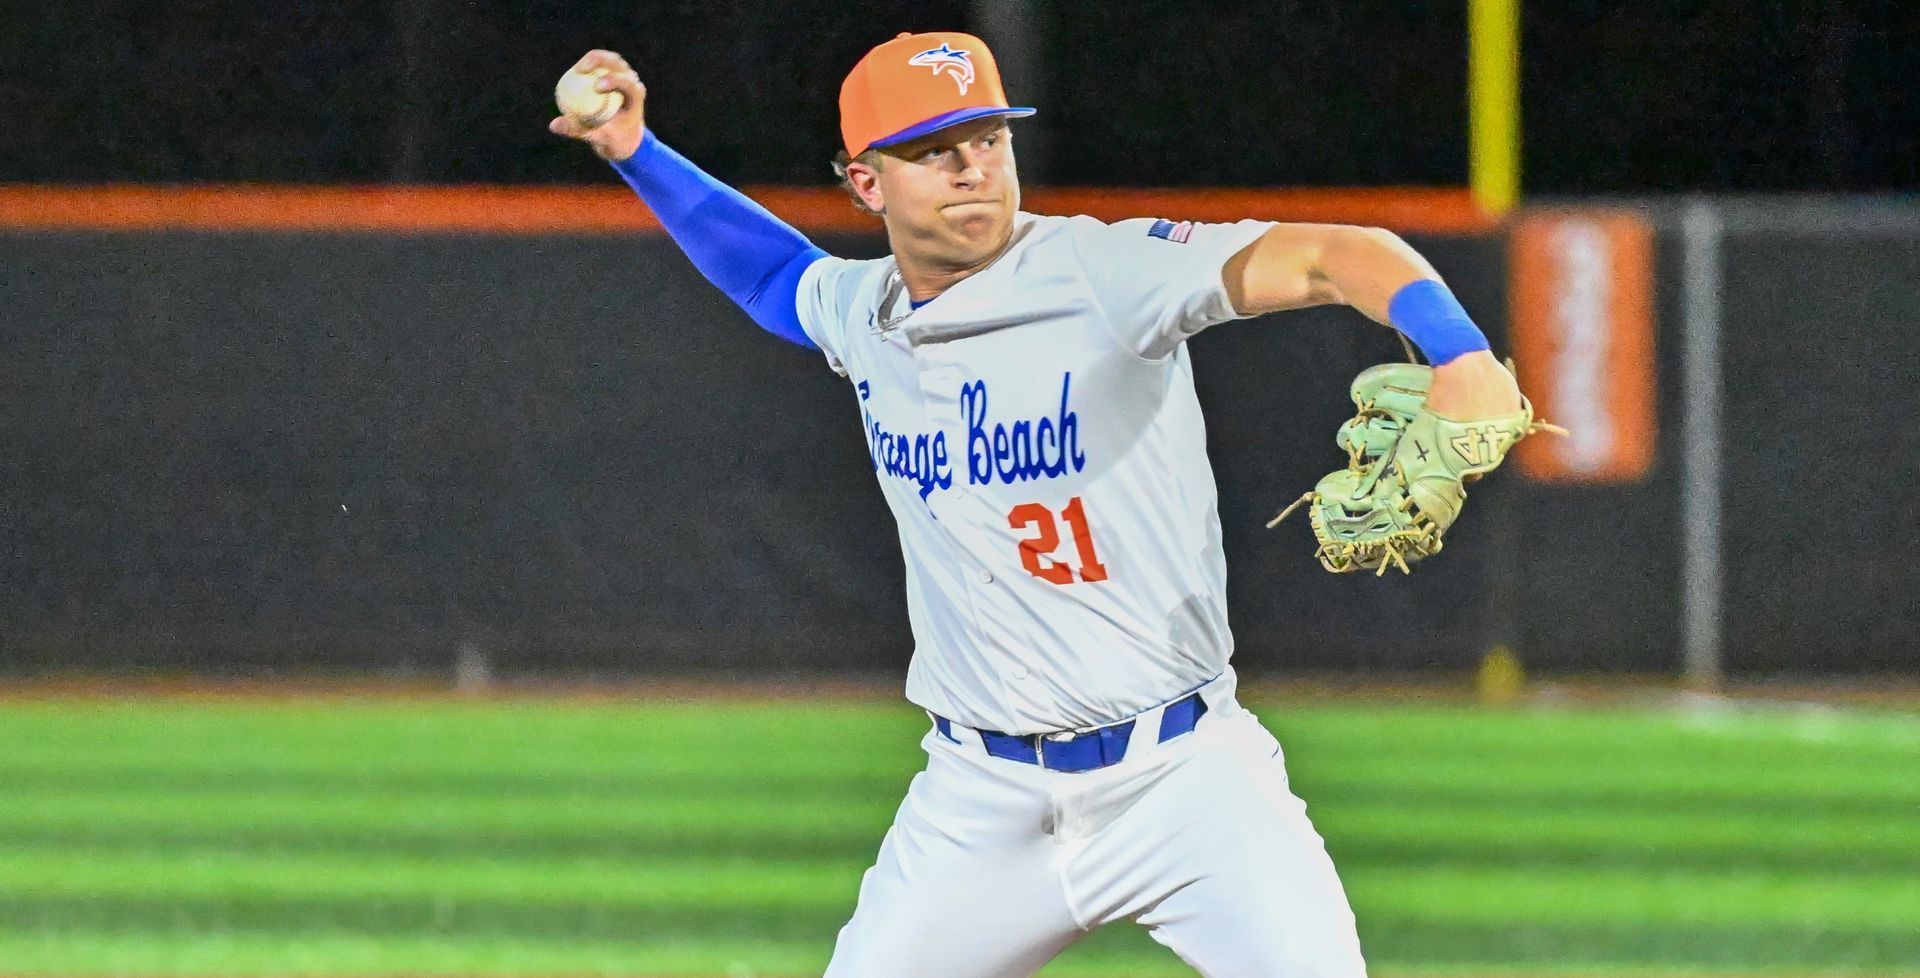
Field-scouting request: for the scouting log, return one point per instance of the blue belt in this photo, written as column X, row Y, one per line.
column 1083, row 752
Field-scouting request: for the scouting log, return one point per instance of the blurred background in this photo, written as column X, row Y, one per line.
column 392, row 521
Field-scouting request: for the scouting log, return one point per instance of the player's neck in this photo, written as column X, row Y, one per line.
column 925, row 279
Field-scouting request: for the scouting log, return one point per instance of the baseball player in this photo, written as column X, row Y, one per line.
column 1026, row 395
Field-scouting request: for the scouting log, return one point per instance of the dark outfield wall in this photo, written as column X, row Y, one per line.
column 1783, row 96
column 1823, row 448
column 243, row 453
column 1820, row 356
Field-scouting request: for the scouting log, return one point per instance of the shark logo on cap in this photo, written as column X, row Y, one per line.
column 946, row 60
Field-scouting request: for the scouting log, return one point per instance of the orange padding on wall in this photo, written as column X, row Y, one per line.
column 614, row 209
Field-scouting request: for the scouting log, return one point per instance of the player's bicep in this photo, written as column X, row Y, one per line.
column 1281, row 270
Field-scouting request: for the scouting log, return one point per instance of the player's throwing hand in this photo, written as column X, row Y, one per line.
column 618, row 137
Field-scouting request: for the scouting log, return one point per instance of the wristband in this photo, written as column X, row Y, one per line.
column 1428, row 314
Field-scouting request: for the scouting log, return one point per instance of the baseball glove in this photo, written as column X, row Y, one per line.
column 1406, row 474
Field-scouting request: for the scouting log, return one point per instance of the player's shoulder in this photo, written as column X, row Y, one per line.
column 1163, row 243
column 1081, row 234
column 1091, row 231
column 1103, row 252
column 831, row 288
column 835, row 274
column 832, row 291
column 1047, row 225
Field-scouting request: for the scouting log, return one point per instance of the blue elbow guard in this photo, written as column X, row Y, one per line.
column 1434, row 320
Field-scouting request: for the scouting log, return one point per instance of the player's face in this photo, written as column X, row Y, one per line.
column 949, row 198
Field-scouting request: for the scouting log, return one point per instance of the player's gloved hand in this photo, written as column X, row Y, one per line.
column 619, row 137
column 1406, row 475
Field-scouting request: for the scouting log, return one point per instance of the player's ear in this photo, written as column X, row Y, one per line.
column 863, row 178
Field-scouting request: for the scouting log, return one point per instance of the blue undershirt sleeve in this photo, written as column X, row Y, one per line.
column 752, row 256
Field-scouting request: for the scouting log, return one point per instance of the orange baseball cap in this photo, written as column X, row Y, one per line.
column 916, row 84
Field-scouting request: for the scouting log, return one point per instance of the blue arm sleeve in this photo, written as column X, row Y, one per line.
column 754, row 257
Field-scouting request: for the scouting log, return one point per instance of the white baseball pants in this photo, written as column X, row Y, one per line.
column 993, row 867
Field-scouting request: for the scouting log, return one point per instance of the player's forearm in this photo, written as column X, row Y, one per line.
column 1380, row 275
column 751, row 255
column 1385, row 279
column 1367, row 267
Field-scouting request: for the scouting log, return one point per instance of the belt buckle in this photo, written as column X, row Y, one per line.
column 1058, row 737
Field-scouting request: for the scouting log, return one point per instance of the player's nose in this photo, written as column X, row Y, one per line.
column 970, row 174
column 971, row 161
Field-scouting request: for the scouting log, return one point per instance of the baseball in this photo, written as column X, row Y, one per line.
column 577, row 99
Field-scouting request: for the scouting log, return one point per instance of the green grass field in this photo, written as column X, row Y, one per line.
column 221, row 837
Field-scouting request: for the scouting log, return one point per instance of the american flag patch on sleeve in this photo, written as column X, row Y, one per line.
column 1176, row 233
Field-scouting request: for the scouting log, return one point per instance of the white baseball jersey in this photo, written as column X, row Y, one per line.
column 1036, row 434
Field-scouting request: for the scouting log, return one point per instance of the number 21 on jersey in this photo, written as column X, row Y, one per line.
column 1036, row 551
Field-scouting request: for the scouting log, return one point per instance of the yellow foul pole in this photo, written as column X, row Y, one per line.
column 1493, row 111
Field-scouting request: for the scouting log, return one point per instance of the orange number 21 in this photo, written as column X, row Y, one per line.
column 1036, row 552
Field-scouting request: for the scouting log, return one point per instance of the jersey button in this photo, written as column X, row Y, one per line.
column 1019, row 672
column 986, row 577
